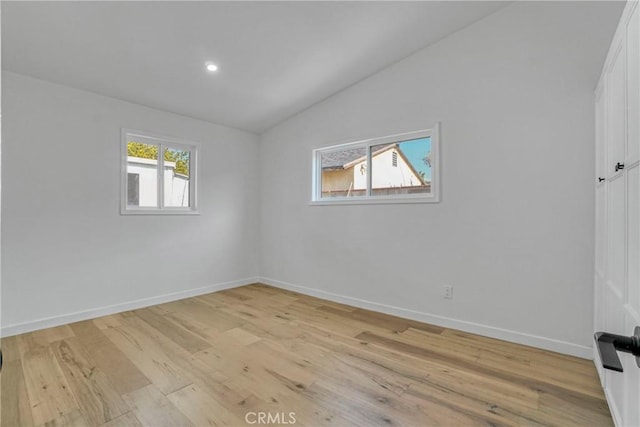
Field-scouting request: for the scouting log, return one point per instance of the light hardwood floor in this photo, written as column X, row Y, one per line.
column 213, row 359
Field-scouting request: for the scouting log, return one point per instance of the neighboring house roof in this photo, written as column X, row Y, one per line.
column 344, row 159
column 339, row 159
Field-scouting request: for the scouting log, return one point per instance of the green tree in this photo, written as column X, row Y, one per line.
column 149, row 151
column 180, row 157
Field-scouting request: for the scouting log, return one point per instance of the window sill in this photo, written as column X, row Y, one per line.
column 158, row 212
column 375, row 201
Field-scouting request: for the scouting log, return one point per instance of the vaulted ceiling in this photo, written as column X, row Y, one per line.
column 275, row 58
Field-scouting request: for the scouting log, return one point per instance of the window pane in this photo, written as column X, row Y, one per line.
column 177, row 168
column 344, row 173
column 142, row 174
column 401, row 167
column 133, row 189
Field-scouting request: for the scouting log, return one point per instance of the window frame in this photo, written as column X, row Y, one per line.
column 162, row 142
column 368, row 198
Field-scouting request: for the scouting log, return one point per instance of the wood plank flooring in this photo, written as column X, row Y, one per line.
column 213, row 359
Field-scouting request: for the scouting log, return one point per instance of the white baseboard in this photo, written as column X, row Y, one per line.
column 49, row 322
column 476, row 328
column 471, row 327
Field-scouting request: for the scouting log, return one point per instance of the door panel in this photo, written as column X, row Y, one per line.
column 601, row 230
column 601, row 154
column 601, row 223
column 599, row 322
column 632, row 308
column 616, row 108
column 633, row 88
column 616, row 235
column 633, row 238
column 617, row 274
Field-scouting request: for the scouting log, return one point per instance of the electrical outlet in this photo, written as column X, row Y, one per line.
column 448, row 292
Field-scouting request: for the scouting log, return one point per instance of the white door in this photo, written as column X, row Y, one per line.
column 617, row 275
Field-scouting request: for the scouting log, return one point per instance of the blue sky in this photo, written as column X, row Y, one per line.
column 415, row 150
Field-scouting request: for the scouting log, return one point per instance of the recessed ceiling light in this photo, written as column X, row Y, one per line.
column 211, row 67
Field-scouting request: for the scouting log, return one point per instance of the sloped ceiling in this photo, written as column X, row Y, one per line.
column 275, row 58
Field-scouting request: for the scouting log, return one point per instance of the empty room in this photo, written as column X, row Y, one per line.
column 339, row 213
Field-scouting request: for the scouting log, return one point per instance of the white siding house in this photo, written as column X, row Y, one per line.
column 344, row 172
column 142, row 182
column 389, row 169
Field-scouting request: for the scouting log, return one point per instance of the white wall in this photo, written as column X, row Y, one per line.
column 514, row 231
column 66, row 248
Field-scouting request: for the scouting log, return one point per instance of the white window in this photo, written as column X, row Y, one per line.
column 158, row 174
column 400, row 168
